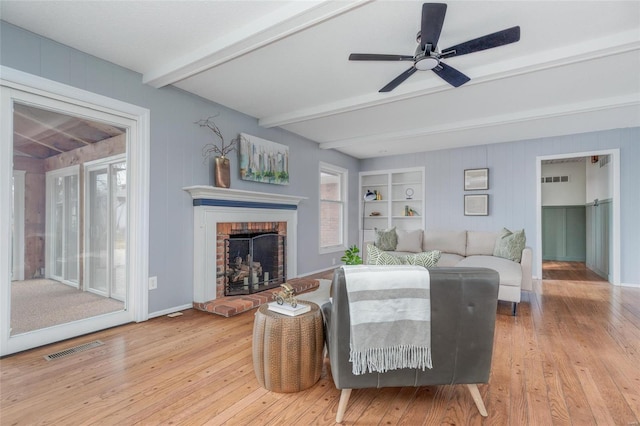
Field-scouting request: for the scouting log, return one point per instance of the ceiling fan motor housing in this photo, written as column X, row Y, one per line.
column 426, row 63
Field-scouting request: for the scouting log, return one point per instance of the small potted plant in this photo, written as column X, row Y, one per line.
column 351, row 256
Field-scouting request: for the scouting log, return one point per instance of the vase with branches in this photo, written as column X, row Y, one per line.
column 219, row 151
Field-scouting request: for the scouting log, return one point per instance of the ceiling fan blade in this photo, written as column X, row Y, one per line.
column 450, row 75
column 500, row 38
column 377, row 57
column 399, row 79
column 432, row 20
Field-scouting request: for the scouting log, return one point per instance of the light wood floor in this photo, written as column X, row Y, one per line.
column 570, row 357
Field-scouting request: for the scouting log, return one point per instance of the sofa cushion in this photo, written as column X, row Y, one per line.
column 510, row 272
column 375, row 256
column 481, row 243
column 445, row 241
column 449, row 259
column 410, row 241
column 386, row 239
column 427, row 259
column 510, row 244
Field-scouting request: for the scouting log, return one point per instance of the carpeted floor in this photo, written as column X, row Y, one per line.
column 41, row 303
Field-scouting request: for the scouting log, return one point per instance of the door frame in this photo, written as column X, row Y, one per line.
column 14, row 85
column 615, row 222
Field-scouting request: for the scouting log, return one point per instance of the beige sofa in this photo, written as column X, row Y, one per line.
column 475, row 249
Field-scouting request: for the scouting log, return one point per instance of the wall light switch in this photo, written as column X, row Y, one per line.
column 153, row 283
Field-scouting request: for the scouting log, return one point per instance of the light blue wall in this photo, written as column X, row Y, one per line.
column 512, row 185
column 176, row 160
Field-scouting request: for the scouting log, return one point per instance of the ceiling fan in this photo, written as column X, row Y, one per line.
column 429, row 57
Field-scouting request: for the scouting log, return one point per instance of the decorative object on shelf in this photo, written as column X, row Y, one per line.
column 368, row 196
column 476, row 179
column 222, row 172
column 476, row 205
column 222, row 169
column 408, row 211
column 351, row 256
column 374, row 214
column 263, row 161
column 409, row 193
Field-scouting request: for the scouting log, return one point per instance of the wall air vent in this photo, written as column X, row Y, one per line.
column 554, row 179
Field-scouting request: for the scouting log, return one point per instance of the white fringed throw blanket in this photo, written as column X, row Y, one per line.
column 390, row 313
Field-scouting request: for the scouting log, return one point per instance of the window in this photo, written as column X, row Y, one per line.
column 333, row 208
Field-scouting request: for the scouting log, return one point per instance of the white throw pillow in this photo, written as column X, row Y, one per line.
column 410, row 241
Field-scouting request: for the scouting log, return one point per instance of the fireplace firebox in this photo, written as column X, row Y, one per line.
column 254, row 262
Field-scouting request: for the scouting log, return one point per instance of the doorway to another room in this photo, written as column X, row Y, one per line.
column 73, row 260
column 578, row 224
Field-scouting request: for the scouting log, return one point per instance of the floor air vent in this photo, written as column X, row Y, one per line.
column 75, row 349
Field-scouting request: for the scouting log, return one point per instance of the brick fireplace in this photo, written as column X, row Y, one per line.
column 250, row 257
column 219, row 213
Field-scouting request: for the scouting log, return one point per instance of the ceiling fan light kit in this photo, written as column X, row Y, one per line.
column 427, row 55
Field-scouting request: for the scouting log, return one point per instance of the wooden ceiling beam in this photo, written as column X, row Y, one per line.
column 48, row 127
column 30, row 139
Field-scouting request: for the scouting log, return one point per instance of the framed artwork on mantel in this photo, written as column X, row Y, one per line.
column 476, row 205
column 476, row 179
column 263, row 161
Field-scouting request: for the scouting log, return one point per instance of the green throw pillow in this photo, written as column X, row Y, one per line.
column 425, row 259
column 509, row 245
column 375, row 256
column 386, row 239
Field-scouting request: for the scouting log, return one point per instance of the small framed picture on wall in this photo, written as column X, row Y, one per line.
column 476, row 179
column 476, row 205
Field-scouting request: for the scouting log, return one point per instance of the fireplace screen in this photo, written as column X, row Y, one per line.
column 254, row 263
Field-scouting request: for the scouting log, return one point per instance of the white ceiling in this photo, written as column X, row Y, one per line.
column 575, row 69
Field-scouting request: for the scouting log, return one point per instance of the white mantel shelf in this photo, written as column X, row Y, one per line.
column 204, row 192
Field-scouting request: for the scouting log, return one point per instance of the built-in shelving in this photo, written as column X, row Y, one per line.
column 401, row 191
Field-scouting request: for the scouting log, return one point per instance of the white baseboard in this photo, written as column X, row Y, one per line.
column 317, row 272
column 633, row 285
column 170, row 310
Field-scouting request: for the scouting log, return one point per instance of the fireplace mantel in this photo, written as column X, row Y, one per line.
column 213, row 205
column 211, row 195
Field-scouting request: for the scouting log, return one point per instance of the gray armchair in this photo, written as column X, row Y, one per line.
column 463, row 312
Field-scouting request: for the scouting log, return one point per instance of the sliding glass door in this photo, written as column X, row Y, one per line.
column 74, row 176
column 106, row 227
column 63, row 225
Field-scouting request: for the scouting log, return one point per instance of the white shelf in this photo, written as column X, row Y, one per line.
column 391, row 185
column 406, row 183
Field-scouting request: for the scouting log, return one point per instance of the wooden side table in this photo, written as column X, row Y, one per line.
column 287, row 351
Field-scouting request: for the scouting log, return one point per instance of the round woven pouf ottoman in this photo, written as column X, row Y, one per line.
column 287, row 351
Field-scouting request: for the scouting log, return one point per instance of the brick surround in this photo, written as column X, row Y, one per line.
column 227, row 229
